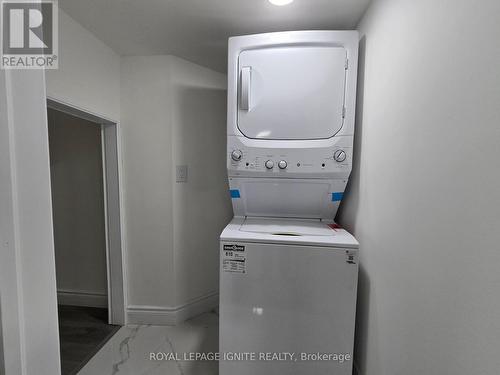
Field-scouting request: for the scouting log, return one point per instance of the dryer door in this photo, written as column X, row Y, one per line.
column 291, row 92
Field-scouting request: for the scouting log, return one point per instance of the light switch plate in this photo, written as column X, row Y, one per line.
column 181, row 173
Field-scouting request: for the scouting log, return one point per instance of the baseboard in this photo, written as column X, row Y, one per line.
column 158, row 315
column 79, row 298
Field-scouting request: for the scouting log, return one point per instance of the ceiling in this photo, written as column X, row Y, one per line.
column 197, row 30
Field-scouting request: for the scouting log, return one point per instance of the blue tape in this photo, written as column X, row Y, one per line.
column 235, row 193
column 337, row 197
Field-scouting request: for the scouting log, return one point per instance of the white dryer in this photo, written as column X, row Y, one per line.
column 288, row 274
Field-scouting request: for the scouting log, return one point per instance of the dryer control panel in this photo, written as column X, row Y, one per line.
column 321, row 162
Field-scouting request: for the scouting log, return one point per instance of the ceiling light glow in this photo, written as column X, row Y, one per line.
column 280, row 2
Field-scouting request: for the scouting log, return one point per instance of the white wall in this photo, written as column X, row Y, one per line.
column 424, row 198
column 27, row 267
column 173, row 113
column 202, row 204
column 148, row 179
column 89, row 71
column 78, row 209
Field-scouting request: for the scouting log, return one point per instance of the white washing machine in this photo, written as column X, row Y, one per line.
column 288, row 273
column 287, row 286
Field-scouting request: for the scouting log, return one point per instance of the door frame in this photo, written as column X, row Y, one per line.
column 113, row 207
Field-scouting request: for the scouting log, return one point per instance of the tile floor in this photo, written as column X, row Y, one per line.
column 128, row 351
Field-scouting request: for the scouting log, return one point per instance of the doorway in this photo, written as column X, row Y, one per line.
column 87, row 231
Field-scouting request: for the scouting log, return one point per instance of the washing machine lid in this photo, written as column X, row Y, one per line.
column 291, row 92
column 288, row 231
column 287, row 227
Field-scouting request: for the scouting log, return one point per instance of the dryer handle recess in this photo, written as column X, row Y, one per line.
column 246, row 76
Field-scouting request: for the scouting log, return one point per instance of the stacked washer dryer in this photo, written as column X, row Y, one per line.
column 288, row 272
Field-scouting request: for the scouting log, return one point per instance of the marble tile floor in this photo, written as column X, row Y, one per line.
column 128, row 351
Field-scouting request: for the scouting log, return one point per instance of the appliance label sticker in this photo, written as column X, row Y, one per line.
column 234, row 259
column 350, row 257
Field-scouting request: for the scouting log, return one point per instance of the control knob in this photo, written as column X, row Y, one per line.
column 236, row 155
column 339, row 156
column 269, row 164
column 282, row 164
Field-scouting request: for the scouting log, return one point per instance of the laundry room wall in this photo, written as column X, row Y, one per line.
column 202, row 207
column 27, row 271
column 148, row 182
column 88, row 76
column 173, row 113
column 423, row 198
